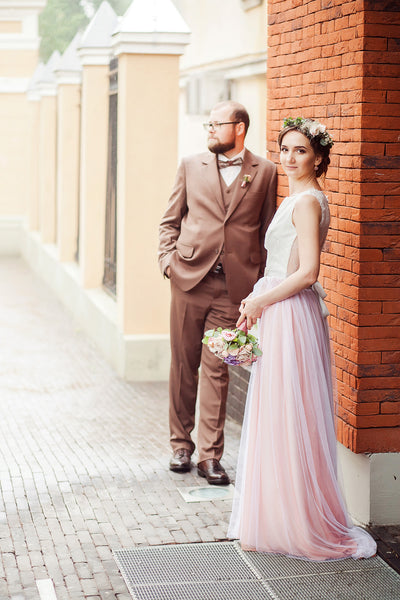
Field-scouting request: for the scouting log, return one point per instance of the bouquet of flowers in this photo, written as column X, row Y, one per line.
column 233, row 346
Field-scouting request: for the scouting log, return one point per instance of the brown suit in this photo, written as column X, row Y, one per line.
column 196, row 232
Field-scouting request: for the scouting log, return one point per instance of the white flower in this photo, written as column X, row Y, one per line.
column 216, row 344
column 316, row 128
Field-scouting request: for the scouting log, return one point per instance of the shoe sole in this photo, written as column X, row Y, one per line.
column 180, row 469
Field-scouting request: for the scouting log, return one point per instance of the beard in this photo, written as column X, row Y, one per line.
column 220, row 148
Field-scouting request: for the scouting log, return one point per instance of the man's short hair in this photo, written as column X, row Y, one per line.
column 238, row 112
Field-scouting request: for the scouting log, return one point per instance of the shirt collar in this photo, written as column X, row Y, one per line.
column 224, row 158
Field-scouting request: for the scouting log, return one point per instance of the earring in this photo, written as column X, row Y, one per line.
column 316, row 168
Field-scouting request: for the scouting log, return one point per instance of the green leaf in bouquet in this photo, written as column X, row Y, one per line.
column 233, row 346
column 242, row 339
column 257, row 351
column 209, row 333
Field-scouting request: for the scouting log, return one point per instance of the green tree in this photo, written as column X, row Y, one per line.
column 120, row 6
column 61, row 19
column 58, row 23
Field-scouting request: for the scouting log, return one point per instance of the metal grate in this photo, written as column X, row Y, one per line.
column 376, row 584
column 184, row 563
column 204, row 590
column 276, row 566
column 222, row 571
column 110, row 246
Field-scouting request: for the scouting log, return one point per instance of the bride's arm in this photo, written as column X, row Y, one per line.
column 306, row 219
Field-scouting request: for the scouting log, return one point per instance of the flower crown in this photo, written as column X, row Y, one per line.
column 311, row 129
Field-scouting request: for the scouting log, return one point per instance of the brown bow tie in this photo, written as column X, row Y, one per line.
column 237, row 162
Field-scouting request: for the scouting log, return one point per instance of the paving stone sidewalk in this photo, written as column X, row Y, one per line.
column 83, row 456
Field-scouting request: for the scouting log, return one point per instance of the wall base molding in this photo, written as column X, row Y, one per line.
column 371, row 485
column 134, row 357
column 11, row 229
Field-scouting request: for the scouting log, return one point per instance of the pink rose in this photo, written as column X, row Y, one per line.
column 228, row 335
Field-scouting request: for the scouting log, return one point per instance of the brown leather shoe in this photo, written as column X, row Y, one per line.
column 212, row 470
column 180, row 461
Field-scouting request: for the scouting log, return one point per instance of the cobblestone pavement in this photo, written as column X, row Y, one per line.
column 83, row 459
column 83, row 456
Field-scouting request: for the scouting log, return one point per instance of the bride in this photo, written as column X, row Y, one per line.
column 288, row 499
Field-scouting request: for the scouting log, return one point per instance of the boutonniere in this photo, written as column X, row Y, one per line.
column 246, row 180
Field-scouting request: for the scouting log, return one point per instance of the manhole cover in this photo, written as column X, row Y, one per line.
column 202, row 494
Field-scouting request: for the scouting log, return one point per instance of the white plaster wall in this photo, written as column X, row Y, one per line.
column 222, row 29
column 228, row 44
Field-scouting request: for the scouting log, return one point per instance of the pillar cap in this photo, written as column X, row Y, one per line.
column 47, row 84
column 32, row 89
column 151, row 27
column 95, row 45
column 69, row 69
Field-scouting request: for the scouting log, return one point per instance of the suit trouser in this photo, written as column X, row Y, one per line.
column 204, row 307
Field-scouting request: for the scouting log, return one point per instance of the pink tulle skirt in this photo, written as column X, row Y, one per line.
column 287, row 497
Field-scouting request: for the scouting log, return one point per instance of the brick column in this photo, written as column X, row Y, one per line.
column 338, row 61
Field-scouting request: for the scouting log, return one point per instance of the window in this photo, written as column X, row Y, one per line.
column 202, row 93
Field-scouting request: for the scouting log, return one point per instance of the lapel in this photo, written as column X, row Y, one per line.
column 211, row 177
column 249, row 167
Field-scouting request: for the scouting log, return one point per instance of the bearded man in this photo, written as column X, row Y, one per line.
column 212, row 250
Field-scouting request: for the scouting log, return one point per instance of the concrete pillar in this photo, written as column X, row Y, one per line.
column 148, row 42
column 47, row 151
column 32, row 182
column 68, row 76
column 94, row 52
column 19, row 44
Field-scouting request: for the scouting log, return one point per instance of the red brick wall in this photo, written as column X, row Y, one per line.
column 338, row 61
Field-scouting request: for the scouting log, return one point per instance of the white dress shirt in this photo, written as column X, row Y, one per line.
column 230, row 173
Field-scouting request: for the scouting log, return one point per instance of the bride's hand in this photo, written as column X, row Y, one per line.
column 250, row 310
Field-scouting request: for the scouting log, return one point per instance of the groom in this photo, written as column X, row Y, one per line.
column 212, row 250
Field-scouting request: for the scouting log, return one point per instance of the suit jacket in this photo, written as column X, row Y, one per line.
column 196, row 226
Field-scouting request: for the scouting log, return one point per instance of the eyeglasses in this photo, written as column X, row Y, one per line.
column 216, row 125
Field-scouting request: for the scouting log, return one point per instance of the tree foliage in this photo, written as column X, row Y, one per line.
column 120, row 6
column 61, row 19
column 58, row 23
